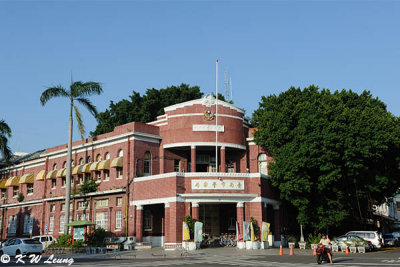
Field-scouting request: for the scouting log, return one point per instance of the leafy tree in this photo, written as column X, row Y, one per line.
column 5, row 133
column 335, row 154
column 144, row 108
column 77, row 93
column 88, row 187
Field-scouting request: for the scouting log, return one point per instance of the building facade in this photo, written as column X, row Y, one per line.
column 149, row 176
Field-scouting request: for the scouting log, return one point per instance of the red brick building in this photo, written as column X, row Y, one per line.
column 150, row 177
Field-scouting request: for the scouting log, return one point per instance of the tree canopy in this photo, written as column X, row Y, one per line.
column 336, row 154
column 5, row 133
column 144, row 108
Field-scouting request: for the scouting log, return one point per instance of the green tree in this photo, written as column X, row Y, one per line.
column 335, row 154
column 144, row 108
column 5, row 133
column 77, row 93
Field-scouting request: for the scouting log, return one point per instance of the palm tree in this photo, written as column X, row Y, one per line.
column 77, row 92
column 5, row 132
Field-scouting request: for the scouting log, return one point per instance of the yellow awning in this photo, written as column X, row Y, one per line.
column 104, row 165
column 13, row 181
column 40, row 175
column 93, row 167
column 117, row 162
column 26, row 178
column 86, row 168
column 77, row 170
column 61, row 172
column 3, row 183
column 51, row 174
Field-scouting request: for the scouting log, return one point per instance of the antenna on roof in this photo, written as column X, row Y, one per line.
column 226, row 85
column 230, row 84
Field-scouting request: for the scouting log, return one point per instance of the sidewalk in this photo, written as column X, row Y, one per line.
column 160, row 253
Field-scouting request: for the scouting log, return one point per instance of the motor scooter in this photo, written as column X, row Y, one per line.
column 322, row 254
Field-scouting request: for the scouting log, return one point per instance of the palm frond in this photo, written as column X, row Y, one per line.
column 4, row 149
column 4, row 128
column 89, row 88
column 52, row 92
column 81, row 127
column 75, row 88
column 88, row 105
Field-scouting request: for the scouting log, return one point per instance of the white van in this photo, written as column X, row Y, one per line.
column 46, row 240
column 374, row 236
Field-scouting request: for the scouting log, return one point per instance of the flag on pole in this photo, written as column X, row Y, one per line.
column 246, row 231
column 253, row 237
column 198, row 232
column 265, row 231
column 186, row 232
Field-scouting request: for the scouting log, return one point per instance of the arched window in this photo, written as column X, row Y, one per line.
column 98, row 157
column 55, row 166
column 72, row 163
column 120, row 153
column 65, row 164
column 262, row 164
column 107, row 155
column 88, row 159
column 147, row 164
column 80, row 161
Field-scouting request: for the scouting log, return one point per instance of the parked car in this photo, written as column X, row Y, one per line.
column 396, row 234
column 389, row 240
column 350, row 240
column 373, row 236
column 3, row 241
column 23, row 246
column 46, row 240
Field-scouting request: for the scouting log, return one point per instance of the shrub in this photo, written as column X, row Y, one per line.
column 190, row 223
column 292, row 239
column 313, row 239
column 65, row 240
column 20, row 197
column 88, row 187
column 96, row 237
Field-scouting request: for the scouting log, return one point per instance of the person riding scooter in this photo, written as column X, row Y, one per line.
column 327, row 242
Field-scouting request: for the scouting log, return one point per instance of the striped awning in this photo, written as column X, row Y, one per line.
column 27, row 178
column 77, row 170
column 51, row 174
column 40, row 175
column 13, row 181
column 117, row 162
column 62, row 172
column 3, row 183
column 86, row 168
column 104, row 165
column 93, row 167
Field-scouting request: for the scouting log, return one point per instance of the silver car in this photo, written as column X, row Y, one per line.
column 23, row 246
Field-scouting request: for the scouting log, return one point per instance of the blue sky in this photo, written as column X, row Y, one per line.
column 266, row 46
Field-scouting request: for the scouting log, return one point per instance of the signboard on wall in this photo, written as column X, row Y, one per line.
column 216, row 184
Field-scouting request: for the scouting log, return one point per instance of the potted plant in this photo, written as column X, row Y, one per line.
column 292, row 241
column 360, row 246
column 335, row 246
column 352, row 246
column 313, row 241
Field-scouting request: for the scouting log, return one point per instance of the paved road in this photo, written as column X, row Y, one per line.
column 381, row 258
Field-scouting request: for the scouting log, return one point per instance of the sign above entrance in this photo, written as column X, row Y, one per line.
column 214, row 184
column 207, row 128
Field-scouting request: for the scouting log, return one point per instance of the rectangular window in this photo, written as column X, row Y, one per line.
column 102, row 220
column 119, row 201
column 98, row 176
column 118, row 219
column 88, row 177
column 119, row 172
column 83, row 205
column 62, row 218
column 63, row 181
column 12, row 224
column 15, row 191
column 147, row 166
column 100, row 203
column 230, row 167
column 176, row 165
column 3, row 193
column 106, row 175
column 62, row 206
column 53, row 183
column 82, row 217
column 52, row 207
column 80, row 179
column 30, row 189
column 51, row 224
column 28, row 223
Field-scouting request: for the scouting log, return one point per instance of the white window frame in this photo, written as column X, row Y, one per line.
column 51, row 224
column 118, row 220
column 102, row 220
column 29, row 186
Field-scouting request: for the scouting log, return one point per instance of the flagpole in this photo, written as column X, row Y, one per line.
column 216, row 117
